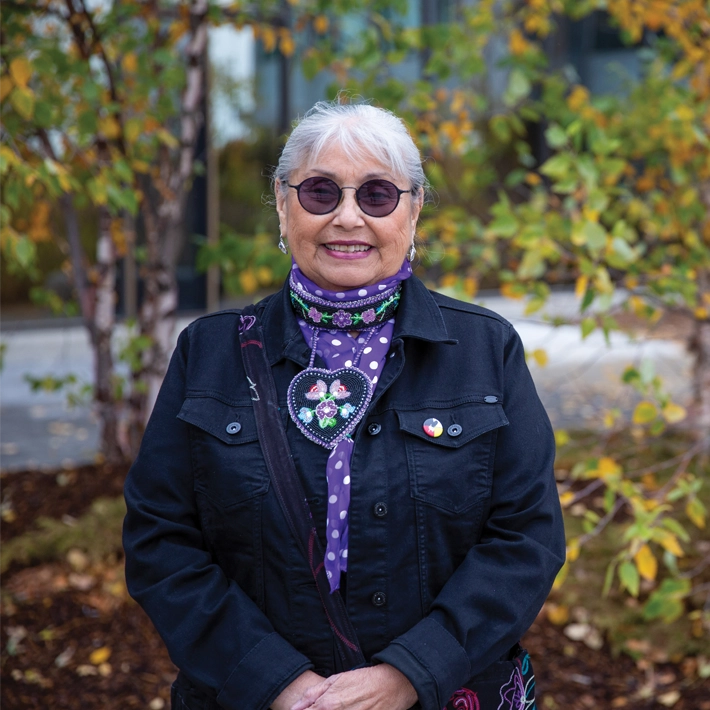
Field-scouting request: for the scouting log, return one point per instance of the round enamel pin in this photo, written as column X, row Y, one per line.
column 433, row 427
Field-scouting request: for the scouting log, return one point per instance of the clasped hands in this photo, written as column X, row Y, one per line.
column 380, row 687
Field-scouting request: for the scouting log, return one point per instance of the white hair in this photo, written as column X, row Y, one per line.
column 358, row 128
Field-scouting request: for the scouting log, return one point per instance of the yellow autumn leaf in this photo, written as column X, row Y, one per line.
column 287, row 46
column 646, row 563
column 644, row 413
column 100, row 655
column 540, row 357
column 109, row 127
column 562, row 437
column 320, row 24
column 695, row 510
column 558, row 614
column 566, row 498
column 130, row 63
column 509, row 291
column 248, row 281
column 580, row 287
column 264, row 275
column 572, row 550
column 517, row 43
column 673, row 413
column 701, row 313
column 5, row 87
column 668, row 541
column 20, row 71
column 268, row 37
column 607, row 467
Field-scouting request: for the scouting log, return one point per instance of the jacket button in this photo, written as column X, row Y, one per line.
column 454, row 430
column 379, row 598
column 380, row 509
column 374, row 428
column 491, row 399
column 234, row 428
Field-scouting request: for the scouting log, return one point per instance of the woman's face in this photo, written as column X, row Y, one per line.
column 319, row 243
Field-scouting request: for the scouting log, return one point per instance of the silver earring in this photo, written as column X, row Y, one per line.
column 412, row 253
column 283, row 247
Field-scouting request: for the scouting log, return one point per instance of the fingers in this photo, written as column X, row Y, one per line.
column 313, row 693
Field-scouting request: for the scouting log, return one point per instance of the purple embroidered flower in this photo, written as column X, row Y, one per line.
column 326, row 410
column 315, row 315
column 306, row 415
column 369, row 315
column 317, row 390
column 512, row 694
column 341, row 319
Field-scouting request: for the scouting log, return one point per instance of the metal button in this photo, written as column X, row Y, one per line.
column 379, row 598
column 234, row 428
column 374, row 428
column 454, row 430
column 380, row 509
column 491, row 399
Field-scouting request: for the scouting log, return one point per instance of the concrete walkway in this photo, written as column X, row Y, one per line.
column 580, row 381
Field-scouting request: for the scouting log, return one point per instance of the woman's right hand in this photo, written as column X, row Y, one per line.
column 294, row 692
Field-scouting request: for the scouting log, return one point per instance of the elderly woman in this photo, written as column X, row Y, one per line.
column 400, row 427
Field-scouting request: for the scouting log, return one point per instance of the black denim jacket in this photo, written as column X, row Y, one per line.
column 454, row 541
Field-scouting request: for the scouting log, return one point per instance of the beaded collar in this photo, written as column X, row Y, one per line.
column 355, row 315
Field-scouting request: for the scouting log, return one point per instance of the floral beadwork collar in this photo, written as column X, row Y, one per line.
column 353, row 315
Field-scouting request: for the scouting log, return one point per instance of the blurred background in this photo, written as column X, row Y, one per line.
column 567, row 144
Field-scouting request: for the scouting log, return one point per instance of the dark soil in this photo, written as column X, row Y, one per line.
column 75, row 640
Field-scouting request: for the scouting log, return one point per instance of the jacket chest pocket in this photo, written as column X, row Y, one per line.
column 452, row 471
column 227, row 458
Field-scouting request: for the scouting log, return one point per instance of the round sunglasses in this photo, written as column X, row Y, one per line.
column 376, row 198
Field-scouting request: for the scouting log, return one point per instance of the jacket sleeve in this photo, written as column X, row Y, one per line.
column 213, row 631
column 495, row 594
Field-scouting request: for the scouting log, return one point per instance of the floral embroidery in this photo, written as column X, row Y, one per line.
column 368, row 316
column 315, row 311
column 514, row 694
column 346, row 410
column 326, row 410
column 342, row 319
column 465, row 699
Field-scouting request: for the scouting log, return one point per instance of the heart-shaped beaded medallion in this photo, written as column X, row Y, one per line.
column 327, row 405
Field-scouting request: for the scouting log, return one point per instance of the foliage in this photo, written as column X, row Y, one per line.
column 613, row 198
column 97, row 533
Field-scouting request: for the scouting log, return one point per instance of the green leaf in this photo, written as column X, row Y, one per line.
column 24, row 102
column 666, row 602
column 629, row 577
column 557, row 166
column 556, row 136
column 587, row 325
column 519, row 87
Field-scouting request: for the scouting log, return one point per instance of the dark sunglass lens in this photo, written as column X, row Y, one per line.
column 377, row 197
column 319, row 195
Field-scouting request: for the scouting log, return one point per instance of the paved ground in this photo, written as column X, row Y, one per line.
column 579, row 382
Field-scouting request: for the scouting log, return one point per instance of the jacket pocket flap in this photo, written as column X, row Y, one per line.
column 460, row 424
column 230, row 424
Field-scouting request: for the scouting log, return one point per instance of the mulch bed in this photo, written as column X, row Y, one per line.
column 75, row 640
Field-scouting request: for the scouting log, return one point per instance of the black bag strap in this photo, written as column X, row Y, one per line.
column 287, row 484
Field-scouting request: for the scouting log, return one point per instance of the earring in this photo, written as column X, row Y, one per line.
column 412, row 253
column 283, row 247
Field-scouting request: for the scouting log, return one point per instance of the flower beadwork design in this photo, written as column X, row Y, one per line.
column 341, row 319
column 346, row 410
column 315, row 315
column 326, row 409
column 306, row 415
column 369, row 316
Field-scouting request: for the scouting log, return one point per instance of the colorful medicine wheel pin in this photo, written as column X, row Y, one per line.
column 433, row 427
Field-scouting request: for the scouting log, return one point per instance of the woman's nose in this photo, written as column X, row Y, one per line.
column 348, row 213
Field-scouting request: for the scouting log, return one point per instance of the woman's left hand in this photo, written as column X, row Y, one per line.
column 380, row 687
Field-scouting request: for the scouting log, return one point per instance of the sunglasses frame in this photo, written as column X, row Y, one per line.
column 298, row 187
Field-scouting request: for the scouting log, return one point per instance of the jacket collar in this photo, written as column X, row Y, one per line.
column 418, row 316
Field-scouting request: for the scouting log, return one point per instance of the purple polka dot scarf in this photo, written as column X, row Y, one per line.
column 367, row 351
